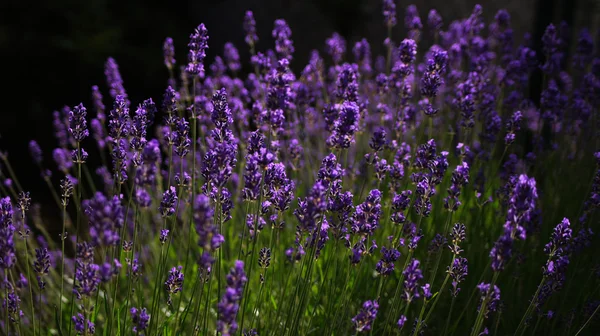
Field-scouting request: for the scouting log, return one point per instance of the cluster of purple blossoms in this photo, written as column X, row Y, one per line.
column 593, row 201
column 168, row 202
column 460, row 177
column 250, row 29
column 284, row 46
column 197, row 51
column 278, row 189
column 412, row 276
column 364, row 319
column 521, row 209
column 513, row 125
column 7, row 231
column 385, row 266
column 174, row 283
column 114, row 80
column 389, row 13
column 87, row 274
column 345, row 126
column 432, row 80
column 106, row 217
column 139, row 319
column 220, row 159
column 81, row 324
column 490, row 296
column 412, row 22
column 41, row 265
column 458, row 271
column 209, row 237
column 78, row 124
column 169, row 53
column 230, row 302
column 367, row 214
column 559, row 250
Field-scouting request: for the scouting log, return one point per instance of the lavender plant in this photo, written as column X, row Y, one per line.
column 413, row 195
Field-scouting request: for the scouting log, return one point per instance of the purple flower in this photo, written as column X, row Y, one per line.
column 412, row 22
column 230, row 302
column 584, row 50
column 366, row 217
column 458, row 271
column 81, row 324
column 378, row 140
column 63, row 160
column 491, row 296
column 7, row 230
column 335, row 46
column 209, row 237
column 401, row 322
column 279, row 190
column 138, row 132
column 169, row 53
column 87, row 274
column 385, row 266
column 98, row 104
column 365, row 317
column 41, row 265
column 412, row 275
column 250, row 29
column 513, row 125
column 114, row 80
column 78, row 124
column 182, row 137
column 407, row 50
column 118, row 121
column 197, row 51
column 311, row 208
column 105, row 217
column 174, row 283
column 284, row 46
column 232, row 57
column 164, row 233
column 345, row 126
column 167, row 204
column 400, row 203
column 362, row 55
column 347, row 83
column 330, row 169
column 139, row 319
column 35, row 151
column 108, row 271
column 434, row 21
column 460, row 177
column 389, row 13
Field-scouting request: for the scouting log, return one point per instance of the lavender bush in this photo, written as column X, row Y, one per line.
column 423, row 191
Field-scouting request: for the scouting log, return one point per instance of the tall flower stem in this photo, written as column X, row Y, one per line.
column 482, row 309
column 529, row 308
column 449, row 315
column 29, row 279
column 62, row 264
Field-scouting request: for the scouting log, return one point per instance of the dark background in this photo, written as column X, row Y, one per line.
column 54, row 51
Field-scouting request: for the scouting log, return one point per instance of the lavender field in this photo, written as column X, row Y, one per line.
column 424, row 191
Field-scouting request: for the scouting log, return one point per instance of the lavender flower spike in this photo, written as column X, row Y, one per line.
column 230, row 302
column 364, row 319
column 197, row 50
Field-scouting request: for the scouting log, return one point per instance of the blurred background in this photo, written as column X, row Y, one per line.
column 54, row 51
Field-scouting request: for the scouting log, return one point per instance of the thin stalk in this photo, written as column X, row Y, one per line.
column 588, row 321
column 29, row 279
column 530, row 307
column 482, row 310
column 449, row 315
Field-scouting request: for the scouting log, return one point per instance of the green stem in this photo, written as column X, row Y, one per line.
column 530, row 307
column 29, row 279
